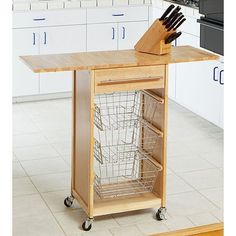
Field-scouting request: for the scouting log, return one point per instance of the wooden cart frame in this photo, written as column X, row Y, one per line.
column 106, row 72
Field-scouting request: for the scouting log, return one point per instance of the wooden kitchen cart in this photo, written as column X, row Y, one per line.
column 119, row 140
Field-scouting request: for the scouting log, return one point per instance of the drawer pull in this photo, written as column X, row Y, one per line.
column 39, row 19
column 125, row 81
column 121, row 14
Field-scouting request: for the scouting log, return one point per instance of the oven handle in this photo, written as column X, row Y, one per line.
column 211, row 25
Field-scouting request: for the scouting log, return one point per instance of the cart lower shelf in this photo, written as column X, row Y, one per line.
column 138, row 202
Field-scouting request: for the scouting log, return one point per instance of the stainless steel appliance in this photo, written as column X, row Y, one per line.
column 212, row 25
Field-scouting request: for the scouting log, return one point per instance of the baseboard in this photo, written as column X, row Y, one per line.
column 41, row 97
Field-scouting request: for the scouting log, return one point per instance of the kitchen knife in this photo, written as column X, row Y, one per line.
column 177, row 9
column 177, row 15
column 168, row 10
column 180, row 23
column 172, row 37
column 175, row 23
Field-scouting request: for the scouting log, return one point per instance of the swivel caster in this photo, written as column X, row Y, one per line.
column 87, row 225
column 68, row 201
column 161, row 214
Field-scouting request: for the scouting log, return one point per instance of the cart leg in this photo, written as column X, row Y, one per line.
column 161, row 213
column 68, row 201
column 87, row 225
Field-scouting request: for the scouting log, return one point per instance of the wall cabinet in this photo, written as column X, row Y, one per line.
column 113, row 36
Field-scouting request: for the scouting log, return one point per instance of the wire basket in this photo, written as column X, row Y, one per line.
column 131, row 176
column 125, row 144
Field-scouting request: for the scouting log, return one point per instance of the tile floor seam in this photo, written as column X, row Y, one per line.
column 58, row 172
column 47, row 206
column 199, row 192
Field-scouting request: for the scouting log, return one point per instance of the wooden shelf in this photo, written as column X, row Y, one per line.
column 142, row 201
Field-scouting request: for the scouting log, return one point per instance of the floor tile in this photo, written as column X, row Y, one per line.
column 203, row 219
column 17, row 170
column 37, row 225
column 215, row 195
column 178, row 223
column 55, row 201
column 63, row 148
column 97, row 233
column 185, row 204
column 153, row 227
column 29, row 205
column 52, row 182
column 126, row 231
column 23, row 186
column 215, row 158
column 219, row 214
column 203, row 179
column 24, row 127
column 71, row 221
column 35, row 152
column 45, row 166
column 134, row 217
column 57, row 136
column 175, row 149
column 29, row 140
column 177, row 185
column 188, row 163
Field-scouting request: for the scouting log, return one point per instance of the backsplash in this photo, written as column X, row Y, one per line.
column 27, row 5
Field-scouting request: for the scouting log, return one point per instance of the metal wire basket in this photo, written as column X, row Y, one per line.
column 125, row 143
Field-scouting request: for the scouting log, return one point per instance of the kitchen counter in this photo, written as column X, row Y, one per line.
column 113, row 59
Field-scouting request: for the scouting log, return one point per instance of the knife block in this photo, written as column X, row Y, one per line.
column 153, row 40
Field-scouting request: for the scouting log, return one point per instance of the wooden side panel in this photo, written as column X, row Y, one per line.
column 160, row 121
column 83, row 139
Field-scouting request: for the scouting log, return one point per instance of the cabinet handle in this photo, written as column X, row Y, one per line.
column 34, row 39
column 123, row 32
column 121, row 14
column 113, row 33
column 214, row 73
column 222, row 83
column 45, row 38
column 39, row 19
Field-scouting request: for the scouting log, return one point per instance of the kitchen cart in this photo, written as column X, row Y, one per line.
column 119, row 140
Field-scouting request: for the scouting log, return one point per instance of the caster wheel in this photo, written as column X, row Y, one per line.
column 161, row 214
column 87, row 225
column 68, row 201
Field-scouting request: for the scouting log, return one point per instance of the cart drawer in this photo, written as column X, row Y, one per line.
column 132, row 78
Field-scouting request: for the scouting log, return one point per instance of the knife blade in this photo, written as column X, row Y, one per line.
column 177, row 9
column 175, row 23
column 180, row 23
column 177, row 15
column 168, row 10
column 172, row 37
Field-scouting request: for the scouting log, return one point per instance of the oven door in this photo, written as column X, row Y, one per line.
column 212, row 36
column 212, row 9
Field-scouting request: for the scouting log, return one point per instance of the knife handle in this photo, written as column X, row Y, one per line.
column 168, row 10
column 180, row 23
column 173, row 19
column 177, row 9
column 172, row 37
column 175, row 23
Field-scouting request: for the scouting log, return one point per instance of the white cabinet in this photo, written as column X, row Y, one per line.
column 101, row 37
column 61, row 39
column 129, row 33
column 25, row 42
column 113, row 36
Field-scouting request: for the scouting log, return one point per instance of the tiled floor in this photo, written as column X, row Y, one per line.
column 41, row 172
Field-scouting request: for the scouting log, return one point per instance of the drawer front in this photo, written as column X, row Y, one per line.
column 117, row 14
column 49, row 18
column 132, row 78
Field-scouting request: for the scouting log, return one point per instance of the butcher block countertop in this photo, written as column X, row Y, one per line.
column 113, row 59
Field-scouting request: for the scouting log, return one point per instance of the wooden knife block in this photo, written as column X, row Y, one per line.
column 153, row 40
